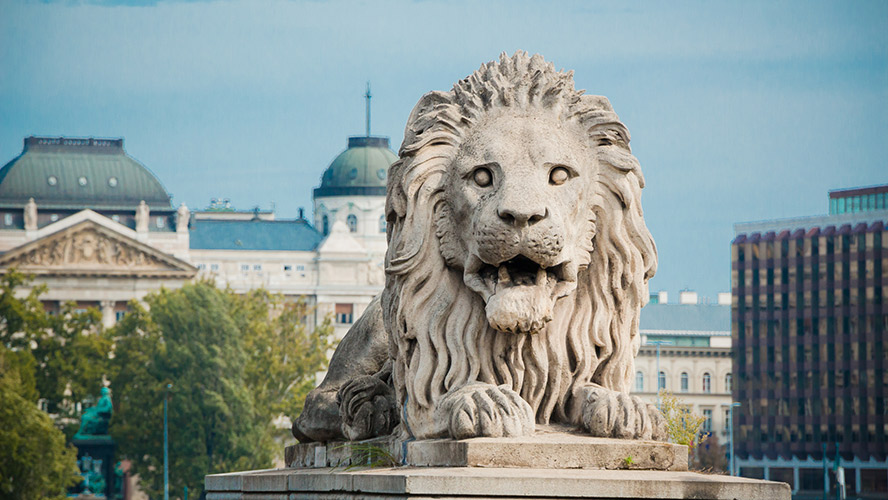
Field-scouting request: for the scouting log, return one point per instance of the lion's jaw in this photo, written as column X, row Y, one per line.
column 519, row 216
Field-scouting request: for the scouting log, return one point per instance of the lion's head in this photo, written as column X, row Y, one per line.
column 518, row 253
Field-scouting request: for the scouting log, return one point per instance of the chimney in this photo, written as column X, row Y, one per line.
column 664, row 297
column 301, row 213
column 687, row 297
column 724, row 298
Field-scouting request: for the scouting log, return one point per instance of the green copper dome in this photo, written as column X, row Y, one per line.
column 63, row 172
column 362, row 169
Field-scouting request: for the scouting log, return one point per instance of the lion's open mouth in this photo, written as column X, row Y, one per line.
column 519, row 292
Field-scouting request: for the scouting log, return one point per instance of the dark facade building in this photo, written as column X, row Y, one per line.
column 809, row 333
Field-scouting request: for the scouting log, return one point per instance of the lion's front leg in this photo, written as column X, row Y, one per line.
column 485, row 410
column 607, row 413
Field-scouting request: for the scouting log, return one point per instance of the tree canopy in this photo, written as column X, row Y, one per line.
column 34, row 461
column 234, row 362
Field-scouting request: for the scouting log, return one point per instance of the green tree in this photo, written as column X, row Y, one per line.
column 34, row 461
column 284, row 353
column 69, row 349
column 682, row 425
column 187, row 338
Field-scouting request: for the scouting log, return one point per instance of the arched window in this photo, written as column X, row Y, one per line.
column 639, row 382
column 661, row 382
column 729, row 382
column 382, row 223
column 352, row 222
column 684, row 381
column 707, row 383
column 325, row 224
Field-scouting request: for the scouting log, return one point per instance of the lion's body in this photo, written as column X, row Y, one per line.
column 517, row 264
column 440, row 336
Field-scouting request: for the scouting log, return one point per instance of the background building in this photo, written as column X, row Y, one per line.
column 92, row 223
column 809, row 331
column 98, row 228
column 695, row 355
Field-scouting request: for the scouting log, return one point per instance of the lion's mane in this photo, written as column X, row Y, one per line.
column 438, row 329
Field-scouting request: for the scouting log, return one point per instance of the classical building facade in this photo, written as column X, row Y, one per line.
column 694, row 356
column 92, row 223
column 99, row 229
column 811, row 348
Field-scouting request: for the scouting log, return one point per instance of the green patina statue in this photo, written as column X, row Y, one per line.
column 94, row 421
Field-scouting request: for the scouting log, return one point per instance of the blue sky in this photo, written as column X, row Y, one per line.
column 738, row 111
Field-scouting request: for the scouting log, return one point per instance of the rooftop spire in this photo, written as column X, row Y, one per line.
column 368, row 96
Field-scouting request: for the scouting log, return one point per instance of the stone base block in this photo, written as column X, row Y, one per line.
column 548, row 448
column 420, row 483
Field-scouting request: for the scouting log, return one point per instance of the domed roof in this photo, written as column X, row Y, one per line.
column 360, row 170
column 79, row 173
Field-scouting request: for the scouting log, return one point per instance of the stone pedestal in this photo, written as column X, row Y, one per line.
column 546, row 465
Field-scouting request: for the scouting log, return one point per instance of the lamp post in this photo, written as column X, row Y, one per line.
column 166, row 447
column 731, row 436
column 658, row 343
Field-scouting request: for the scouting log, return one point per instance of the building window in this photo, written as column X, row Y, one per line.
column 214, row 267
column 639, row 382
column 257, row 267
column 707, row 383
column 159, row 223
column 707, row 424
column 382, row 223
column 325, row 225
column 245, row 267
column 729, row 383
column 344, row 313
column 54, row 217
column 288, row 267
column 115, row 218
column 118, row 315
column 661, row 381
column 352, row 222
column 684, row 381
column 300, row 268
column 7, row 219
column 201, row 267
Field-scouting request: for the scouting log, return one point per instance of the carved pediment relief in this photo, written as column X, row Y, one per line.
column 88, row 248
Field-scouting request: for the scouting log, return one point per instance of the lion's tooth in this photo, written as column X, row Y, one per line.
column 503, row 275
column 542, row 276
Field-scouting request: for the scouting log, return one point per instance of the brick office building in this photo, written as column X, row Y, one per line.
column 809, row 333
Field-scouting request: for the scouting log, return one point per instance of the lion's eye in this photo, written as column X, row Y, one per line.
column 558, row 176
column 483, row 177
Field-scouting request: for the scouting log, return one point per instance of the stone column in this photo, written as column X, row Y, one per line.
column 108, row 316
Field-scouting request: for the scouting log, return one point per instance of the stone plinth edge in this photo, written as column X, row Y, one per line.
column 486, row 482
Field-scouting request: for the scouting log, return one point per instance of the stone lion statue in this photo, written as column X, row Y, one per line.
column 517, row 266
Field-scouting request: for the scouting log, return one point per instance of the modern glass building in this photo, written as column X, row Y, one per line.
column 809, row 333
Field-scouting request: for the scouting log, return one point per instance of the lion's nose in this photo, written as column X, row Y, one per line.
column 527, row 215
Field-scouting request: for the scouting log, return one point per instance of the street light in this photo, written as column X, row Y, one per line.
column 731, row 435
column 166, row 447
column 658, row 343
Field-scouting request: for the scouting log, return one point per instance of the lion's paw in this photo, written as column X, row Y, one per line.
column 367, row 408
column 484, row 410
column 618, row 415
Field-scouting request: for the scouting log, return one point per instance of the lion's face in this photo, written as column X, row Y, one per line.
column 519, row 220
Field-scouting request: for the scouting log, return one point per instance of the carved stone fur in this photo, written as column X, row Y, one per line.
column 518, row 260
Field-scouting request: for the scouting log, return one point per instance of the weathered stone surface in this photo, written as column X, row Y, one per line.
column 549, row 447
column 517, row 265
column 499, row 483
